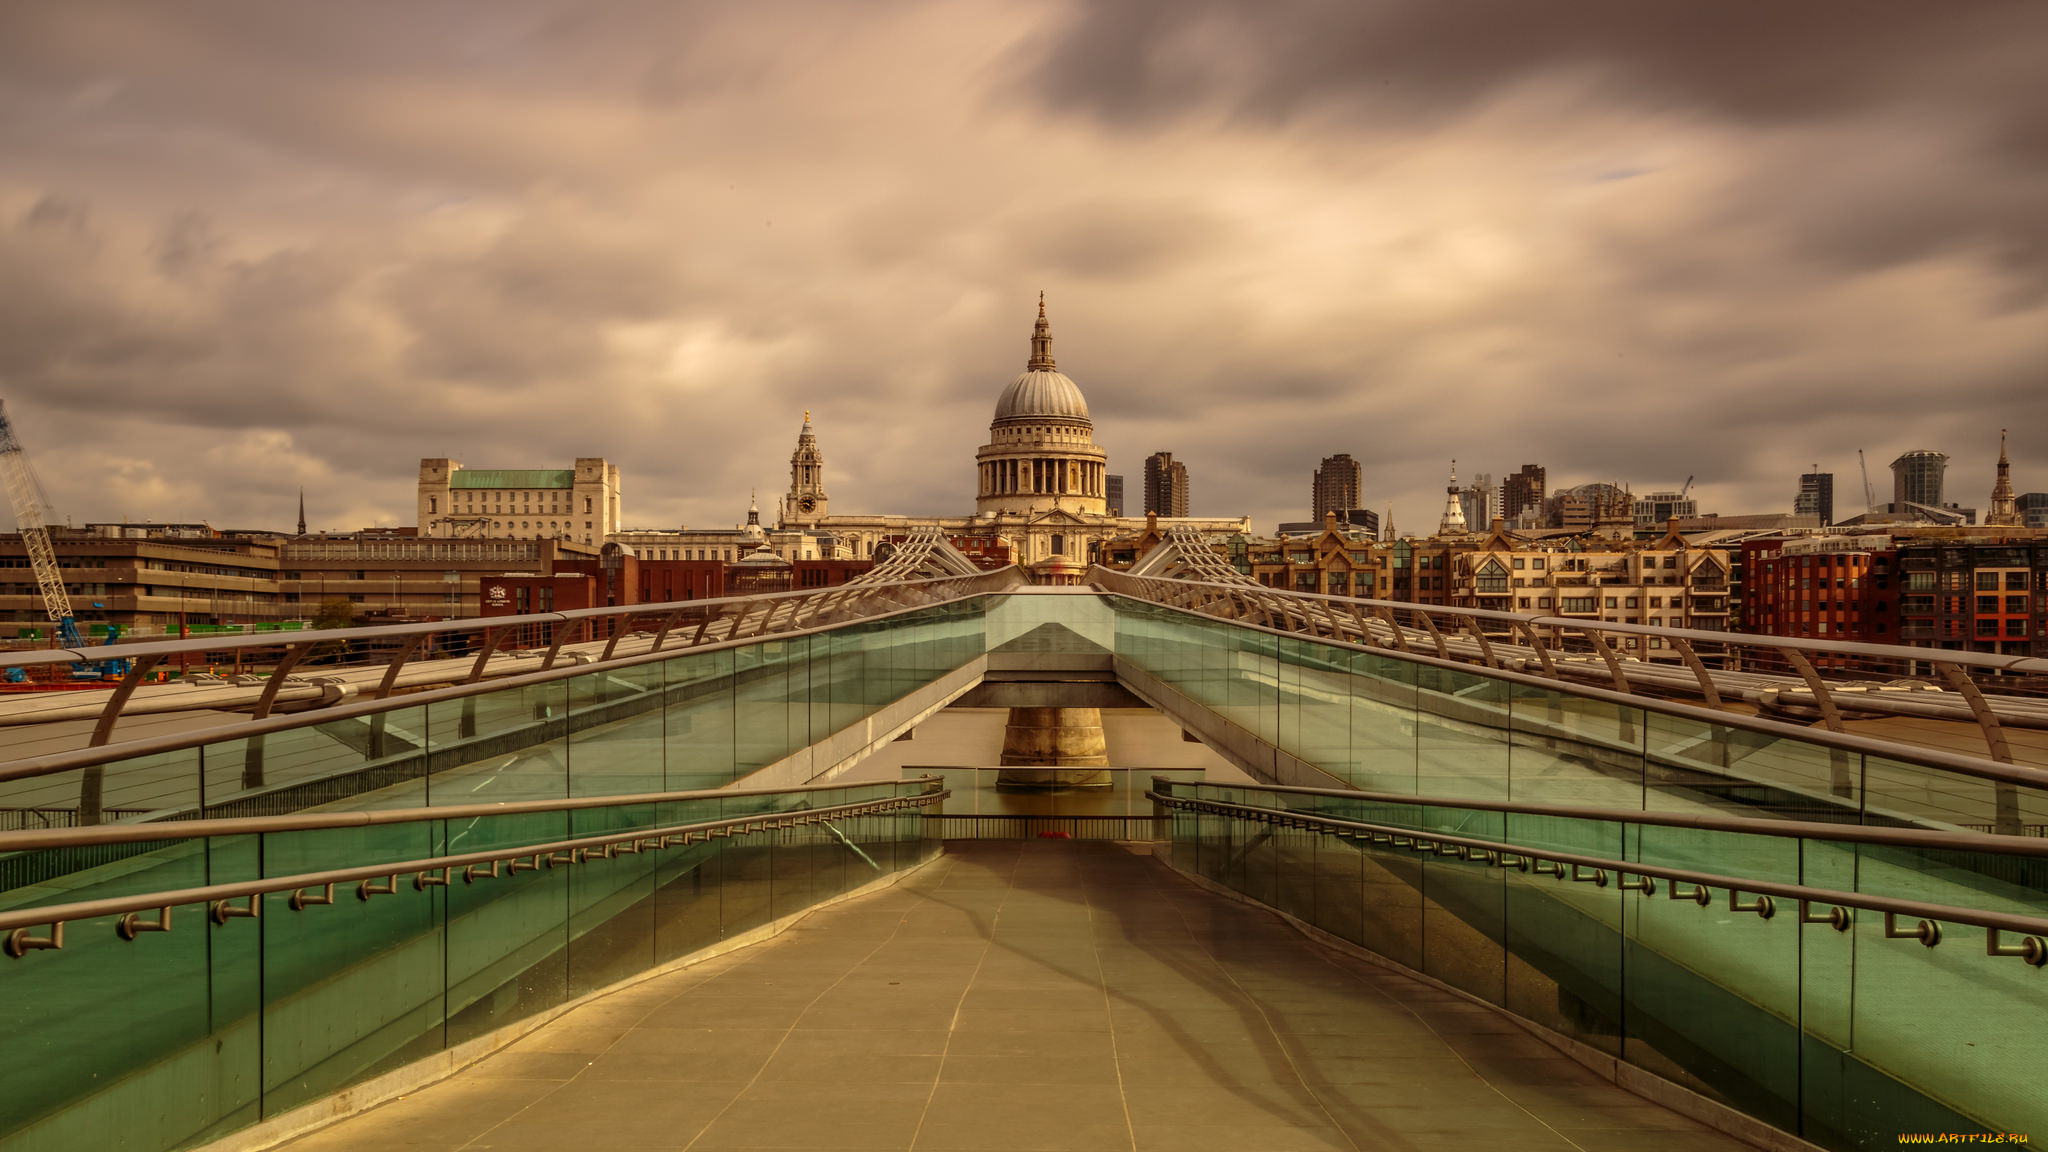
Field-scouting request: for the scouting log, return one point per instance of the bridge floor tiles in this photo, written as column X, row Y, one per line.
column 1082, row 997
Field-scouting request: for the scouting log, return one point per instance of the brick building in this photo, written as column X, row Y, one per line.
column 1823, row 588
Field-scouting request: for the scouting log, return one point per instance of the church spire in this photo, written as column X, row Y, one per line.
column 2004, row 509
column 302, row 511
column 805, row 501
column 1454, row 509
column 1041, row 342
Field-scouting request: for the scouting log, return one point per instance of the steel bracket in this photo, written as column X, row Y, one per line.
column 130, row 925
column 1763, row 906
column 2032, row 949
column 1927, row 932
column 225, row 910
column 20, row 943
column 1836, row 917
column 299, row 901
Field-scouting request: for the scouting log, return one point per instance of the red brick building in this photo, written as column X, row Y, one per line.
column 1823, row 588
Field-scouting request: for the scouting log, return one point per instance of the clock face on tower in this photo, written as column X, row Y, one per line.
column 808, row 504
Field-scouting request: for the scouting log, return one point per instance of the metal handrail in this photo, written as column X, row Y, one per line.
column 44, row 839
column 1923, row 838
column 2033, row 947
column 226, row 643
column 1995, row 768
column 16, row 924
column 102, row 753
column 2028, row 664
column 145, row 658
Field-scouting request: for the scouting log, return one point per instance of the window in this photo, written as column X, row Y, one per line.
column 2016, row 605
column 1518, row 563
column 1987, row 605
column 1656, row 621
column 1987, row 627
column 1658, row 601
column 1631, row 602
column 1522, row 603
column 1987, row 581
column 1537, row 563
column 2015, row 581
column 1576, row 603
column 433, row 504
column 2015, row 627
column 1611, row 602
column 1920, row 581
column 1543, row 601
column 1671, row 561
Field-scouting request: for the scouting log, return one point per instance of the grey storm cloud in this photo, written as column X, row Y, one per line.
column 249, row 247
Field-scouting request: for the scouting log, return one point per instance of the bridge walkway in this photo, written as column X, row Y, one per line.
column 1027, row 995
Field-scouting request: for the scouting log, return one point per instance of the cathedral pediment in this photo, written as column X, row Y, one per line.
column 1058, row 517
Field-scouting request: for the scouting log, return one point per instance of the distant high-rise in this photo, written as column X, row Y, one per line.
column 1166, row 485
column 1522, row 491
column 1816, row 497
column 1339, row 480
column 1917, row 478
column 1113, row 488
column 1481, row 502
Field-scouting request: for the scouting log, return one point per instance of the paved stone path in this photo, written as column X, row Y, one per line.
column 1042, row 995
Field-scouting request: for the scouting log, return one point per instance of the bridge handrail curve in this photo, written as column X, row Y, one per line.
column 16, row 922
column 1527, row 859
column 1923, row 838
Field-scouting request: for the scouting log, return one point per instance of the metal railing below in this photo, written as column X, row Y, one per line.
column 1827, row 906
column 17, row 938
column 979, row 826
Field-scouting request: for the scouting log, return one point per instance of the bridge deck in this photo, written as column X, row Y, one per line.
column 1041, row 995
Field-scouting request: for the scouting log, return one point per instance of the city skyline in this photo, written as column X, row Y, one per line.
column 305, row 248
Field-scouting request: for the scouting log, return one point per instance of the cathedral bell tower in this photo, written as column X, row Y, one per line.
column 805, row 503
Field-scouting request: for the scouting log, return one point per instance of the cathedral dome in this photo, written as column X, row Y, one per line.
column 1042, row 392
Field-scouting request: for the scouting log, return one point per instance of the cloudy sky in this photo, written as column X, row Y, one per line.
column 249, row 247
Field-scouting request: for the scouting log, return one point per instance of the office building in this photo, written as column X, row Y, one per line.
column 1166, row 485
column 1480, row 502
column 1917, row 478
column 1816, row 497
column 1522, row 491
column 1114, row 488
column 1338, row 484
column 1660, row 508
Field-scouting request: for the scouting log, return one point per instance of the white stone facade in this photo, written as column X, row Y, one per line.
column 580, row 504
column 1042, row 481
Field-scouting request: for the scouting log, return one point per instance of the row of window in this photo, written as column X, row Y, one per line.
column 1958, row 581
column 1984, row 605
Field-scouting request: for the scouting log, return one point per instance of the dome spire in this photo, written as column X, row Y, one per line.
column 1041, row 342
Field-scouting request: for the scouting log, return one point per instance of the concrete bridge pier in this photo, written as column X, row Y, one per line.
column 1052, row 749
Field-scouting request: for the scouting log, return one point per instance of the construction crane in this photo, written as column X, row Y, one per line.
column 1869, row 493
column 1687, row 488
column 31, row 506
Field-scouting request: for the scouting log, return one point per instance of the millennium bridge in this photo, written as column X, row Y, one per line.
column 666, row 877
